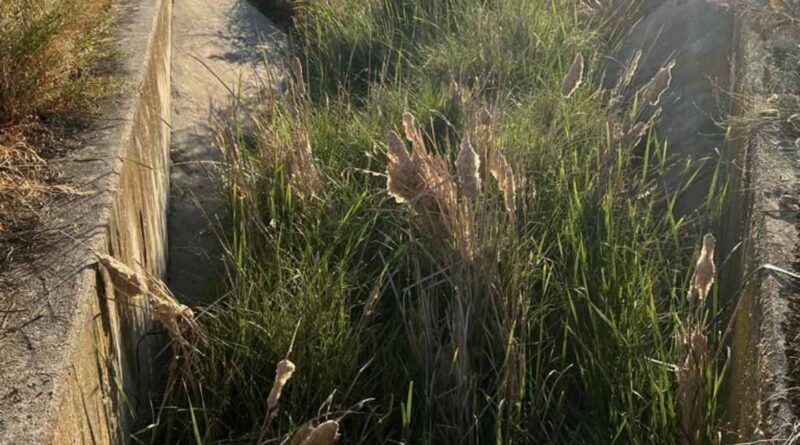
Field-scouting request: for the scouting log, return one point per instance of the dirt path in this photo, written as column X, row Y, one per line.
column 219, row 47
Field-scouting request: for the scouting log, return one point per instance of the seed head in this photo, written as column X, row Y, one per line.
column 325, row 434
column 658, row 85
column 302, row 433
column 574, row 77
column 691, row 397
column 413, row 134
column 468, row 168
column 704, row 271
column 126, row 280
column 403, row 180
column 630, row 70
column 283, row 373
column 504, row 175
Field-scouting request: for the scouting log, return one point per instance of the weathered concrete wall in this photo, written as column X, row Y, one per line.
column 761, row 223
column 74, row 361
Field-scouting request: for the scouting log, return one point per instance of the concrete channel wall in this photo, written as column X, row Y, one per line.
column 75, row 363
column 761, row 231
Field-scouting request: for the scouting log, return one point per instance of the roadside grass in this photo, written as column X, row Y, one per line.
column 282, row 12
column 50, row 55
column 519, row 278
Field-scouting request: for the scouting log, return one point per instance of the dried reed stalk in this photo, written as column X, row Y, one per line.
column 283, row 372
column 704, row 271
column 691, row 397
column 574, row 77
column 178, row 319
column 327, row 433
column 658, row 85
column 468, row 166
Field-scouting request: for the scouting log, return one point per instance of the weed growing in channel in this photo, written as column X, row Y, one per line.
column 459, row 238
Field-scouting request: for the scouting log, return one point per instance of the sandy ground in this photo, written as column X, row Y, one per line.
column 219, row 52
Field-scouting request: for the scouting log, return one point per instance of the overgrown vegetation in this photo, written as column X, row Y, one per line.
column 50, row 54
column 283, row 12
column 454, row 236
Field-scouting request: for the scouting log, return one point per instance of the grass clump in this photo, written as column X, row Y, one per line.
column 458, row 238
column 50, row 57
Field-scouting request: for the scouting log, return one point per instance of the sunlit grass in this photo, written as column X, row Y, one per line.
column 451, row 317
column 50, row 82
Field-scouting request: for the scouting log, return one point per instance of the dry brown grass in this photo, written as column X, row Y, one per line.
column 693, row 352
column 50, row 52
column 466, row 222
column 134, row 286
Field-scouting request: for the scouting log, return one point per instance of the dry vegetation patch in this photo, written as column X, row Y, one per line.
column 51, row 54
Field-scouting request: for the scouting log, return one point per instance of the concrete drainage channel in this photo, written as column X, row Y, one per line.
column 77, row 363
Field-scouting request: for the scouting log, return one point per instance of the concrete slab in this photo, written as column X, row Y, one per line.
column 221, row 52
column 762, row 218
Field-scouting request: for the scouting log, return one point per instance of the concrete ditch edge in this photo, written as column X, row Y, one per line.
column 761, row 228
column 76, row 363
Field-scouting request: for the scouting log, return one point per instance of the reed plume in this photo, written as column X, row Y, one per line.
column 127, row 281
column 283, row 372
column 302, row 433
column 658, row 85
column 504, row 175
column 327, row 433
column 468, row 166
column 424, row 181
column 704, row 271
column 574, row 77
column 624, row 82
column 403, row 177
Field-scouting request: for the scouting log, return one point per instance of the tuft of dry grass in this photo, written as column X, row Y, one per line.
column 50, row 55
column 692, row 394
column 136, row 287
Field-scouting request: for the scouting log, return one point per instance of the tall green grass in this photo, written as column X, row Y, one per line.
column 448, row 318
